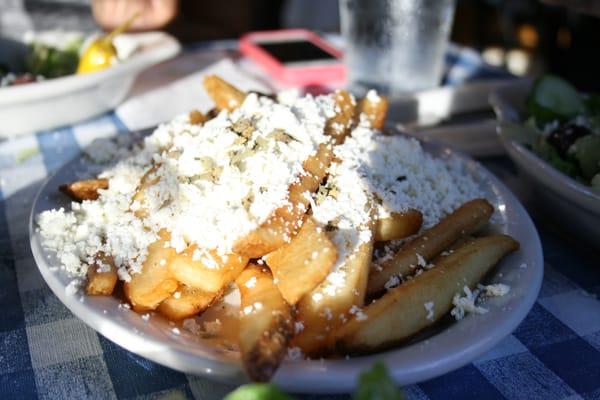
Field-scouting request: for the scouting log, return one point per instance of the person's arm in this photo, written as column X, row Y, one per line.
column 154, row 14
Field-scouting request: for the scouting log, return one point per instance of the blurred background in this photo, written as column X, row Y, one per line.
column 527, row 37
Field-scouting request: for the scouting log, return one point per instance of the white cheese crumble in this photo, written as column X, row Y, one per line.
column 429, row 308
column 358, row 313
column 392, row 282
column 403, row 176
column 295, row 353
column 466, row 304
column 372, row 96
column 495, row 290
column 211, row 184
column 250, row 283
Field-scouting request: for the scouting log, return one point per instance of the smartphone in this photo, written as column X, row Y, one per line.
column 295, row 57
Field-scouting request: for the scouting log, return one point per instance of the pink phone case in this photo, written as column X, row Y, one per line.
column 330, row 73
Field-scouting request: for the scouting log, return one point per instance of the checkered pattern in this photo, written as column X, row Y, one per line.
column 45, row 352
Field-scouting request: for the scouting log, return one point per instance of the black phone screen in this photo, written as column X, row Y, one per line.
column 294, row 51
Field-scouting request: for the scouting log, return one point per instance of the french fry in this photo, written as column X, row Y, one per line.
column 299, row 266
column 197, row 118
column 401, row 312
column 189, row 302
column 266, row 323
column 154, row 283
column 223, row 94
column 466, row 219
column 210, row 273
column 101, row 283
column 339, row 126
column 139, row 198
column 287, row 220
column 84, row 190
column 374, row 109
column 325, row 308
column 398, row 226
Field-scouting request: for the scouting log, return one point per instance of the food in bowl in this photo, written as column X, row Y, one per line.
column 334, row 238
column 562, row 126
column 54, row 54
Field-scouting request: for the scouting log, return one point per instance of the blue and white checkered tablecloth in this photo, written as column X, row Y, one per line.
column 45, row 352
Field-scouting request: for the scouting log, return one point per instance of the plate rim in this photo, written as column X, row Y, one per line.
column 324, row 376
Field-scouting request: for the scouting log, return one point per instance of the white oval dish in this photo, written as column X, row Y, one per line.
column 56, row 102
column 572, row 204
column 446, row 349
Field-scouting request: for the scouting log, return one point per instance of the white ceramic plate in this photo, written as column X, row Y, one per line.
column 61, row 101
column 445, row 349
column 572, row 204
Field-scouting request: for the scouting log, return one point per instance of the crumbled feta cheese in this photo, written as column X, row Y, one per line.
column 392, row 282
column 429, row 308
column 466, row 304
column 358, row 313
column 295, row 353
column 496, row 290
column 250, row 283
column 238, row 165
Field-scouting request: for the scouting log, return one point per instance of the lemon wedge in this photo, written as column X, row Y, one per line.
column 101, row 53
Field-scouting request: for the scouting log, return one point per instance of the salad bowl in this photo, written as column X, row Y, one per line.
column 56, row 102
column 570, row 203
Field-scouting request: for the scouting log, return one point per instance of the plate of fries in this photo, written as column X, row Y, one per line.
column 345, row 268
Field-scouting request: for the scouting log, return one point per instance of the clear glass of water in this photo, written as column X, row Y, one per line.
column 395, row 46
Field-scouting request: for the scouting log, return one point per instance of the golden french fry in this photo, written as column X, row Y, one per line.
column 287, row 220
column 266, row 323
column 223, row 94
column 340, row 125
column 101, row 283
column 210, row 272
column 465, row 220
column 186, row 302
column 398, row 226
column 405, row 310
column 154, row 283
column 139, row 198
column 374, row 109
column 84, row 190
column 197, row 118
column 320, row 312
column 299, row 266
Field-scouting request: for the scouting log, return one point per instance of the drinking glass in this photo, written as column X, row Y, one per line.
column 395, row 46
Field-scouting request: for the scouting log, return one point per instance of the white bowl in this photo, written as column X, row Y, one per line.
column 571, row 204
column 55, row 102
column 445, row 348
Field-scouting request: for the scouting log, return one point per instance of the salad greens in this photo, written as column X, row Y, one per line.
column 44, row 61
column 51, row 62
column 563, row 128
column 374, row 384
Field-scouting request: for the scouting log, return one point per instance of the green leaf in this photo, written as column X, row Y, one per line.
column 592, row 104
column 547, row 152
column 587, row 152
column 376, row 384
column 257, row 391
column 552, row 98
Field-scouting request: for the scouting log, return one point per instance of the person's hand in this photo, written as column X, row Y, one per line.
column 154, row 14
